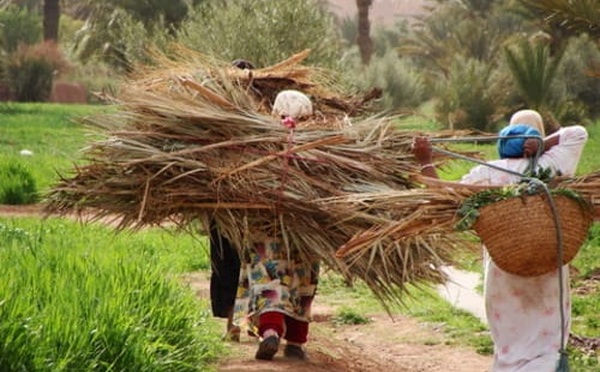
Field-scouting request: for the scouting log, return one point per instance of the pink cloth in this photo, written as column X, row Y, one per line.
column 524, row 313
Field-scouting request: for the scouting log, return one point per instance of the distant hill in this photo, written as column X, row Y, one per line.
column 382, row 12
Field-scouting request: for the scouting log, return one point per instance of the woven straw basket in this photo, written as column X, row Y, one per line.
column 520, row 233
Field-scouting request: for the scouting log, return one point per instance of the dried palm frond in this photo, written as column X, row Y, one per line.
column 588, row 186
column 193, row 140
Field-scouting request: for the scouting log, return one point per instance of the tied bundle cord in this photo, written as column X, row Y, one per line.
column 562, row 364
column 289, row 123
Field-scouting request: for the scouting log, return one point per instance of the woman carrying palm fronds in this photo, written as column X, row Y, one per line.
column 277, row 285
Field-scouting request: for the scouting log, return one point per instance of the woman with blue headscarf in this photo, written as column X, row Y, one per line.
column 523, row 313
column 513, row 143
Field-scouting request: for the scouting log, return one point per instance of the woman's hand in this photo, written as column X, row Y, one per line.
column 530, row 147
column 422, row 150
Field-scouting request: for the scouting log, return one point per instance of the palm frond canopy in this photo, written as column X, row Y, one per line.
column 574, row 16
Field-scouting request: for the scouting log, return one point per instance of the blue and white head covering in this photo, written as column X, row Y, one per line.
column 523, row 122
column 513, row 147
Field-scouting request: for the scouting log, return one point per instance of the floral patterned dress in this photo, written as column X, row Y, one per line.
column 524, row 313
column 271, row 279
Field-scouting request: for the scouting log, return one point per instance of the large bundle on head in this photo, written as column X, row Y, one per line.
column 194, row 139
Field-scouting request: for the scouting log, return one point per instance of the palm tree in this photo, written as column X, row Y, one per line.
column 51, row 19
column 364, row 41
column 533, row 70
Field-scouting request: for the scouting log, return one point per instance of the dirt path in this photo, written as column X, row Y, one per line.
column 392, row 345
column 401, row 344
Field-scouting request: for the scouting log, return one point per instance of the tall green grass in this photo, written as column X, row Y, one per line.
column 17, row 185
column 82, row 298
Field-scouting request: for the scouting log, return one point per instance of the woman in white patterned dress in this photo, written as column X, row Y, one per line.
column 523, row 313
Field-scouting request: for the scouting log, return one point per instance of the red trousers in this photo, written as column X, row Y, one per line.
column 293, row 330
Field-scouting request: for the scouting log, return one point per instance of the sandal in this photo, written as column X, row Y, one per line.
column 268, row 348
column 295, row 352
column 233, row 334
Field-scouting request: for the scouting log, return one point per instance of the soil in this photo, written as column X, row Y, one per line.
column 401, row 344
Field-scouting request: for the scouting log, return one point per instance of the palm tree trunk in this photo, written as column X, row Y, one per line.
column 51, row 19
column 365, row 44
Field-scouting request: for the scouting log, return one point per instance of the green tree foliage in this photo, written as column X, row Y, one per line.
column 458, row 46
column 454, row 28
column 117, row 31
column 579, row 72
column 116, row 38
column 30, row 5
column 568, row 22
column 470, row 95
column 573, row 17
column 402, row 84
column 487, row 31
column 534, row 71
column 155, row 13
column 263, row 31
column 19, row 26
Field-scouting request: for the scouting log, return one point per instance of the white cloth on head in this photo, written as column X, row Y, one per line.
column 292, row 103
column 524, row 313
column 528, row 117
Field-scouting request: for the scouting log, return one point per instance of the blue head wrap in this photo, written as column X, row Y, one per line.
column 513, row 147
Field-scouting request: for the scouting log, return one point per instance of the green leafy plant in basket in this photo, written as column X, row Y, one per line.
column 469, row 208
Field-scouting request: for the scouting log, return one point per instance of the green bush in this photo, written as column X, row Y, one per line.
column 17, row 185
column 263, row 31
column 117, row 39
column 31, row 70
column 18, row 26
column 471, row 95
column 402, row 84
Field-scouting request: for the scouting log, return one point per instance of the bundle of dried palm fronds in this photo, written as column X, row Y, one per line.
column 423, row 220
column 212, row 79
column 588, row 186
column 193, row 139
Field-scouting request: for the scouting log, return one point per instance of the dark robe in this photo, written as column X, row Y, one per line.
column 225, row 265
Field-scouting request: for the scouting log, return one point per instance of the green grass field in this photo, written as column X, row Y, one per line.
column 84, row 298
column 53, row 133
column 76, row 295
